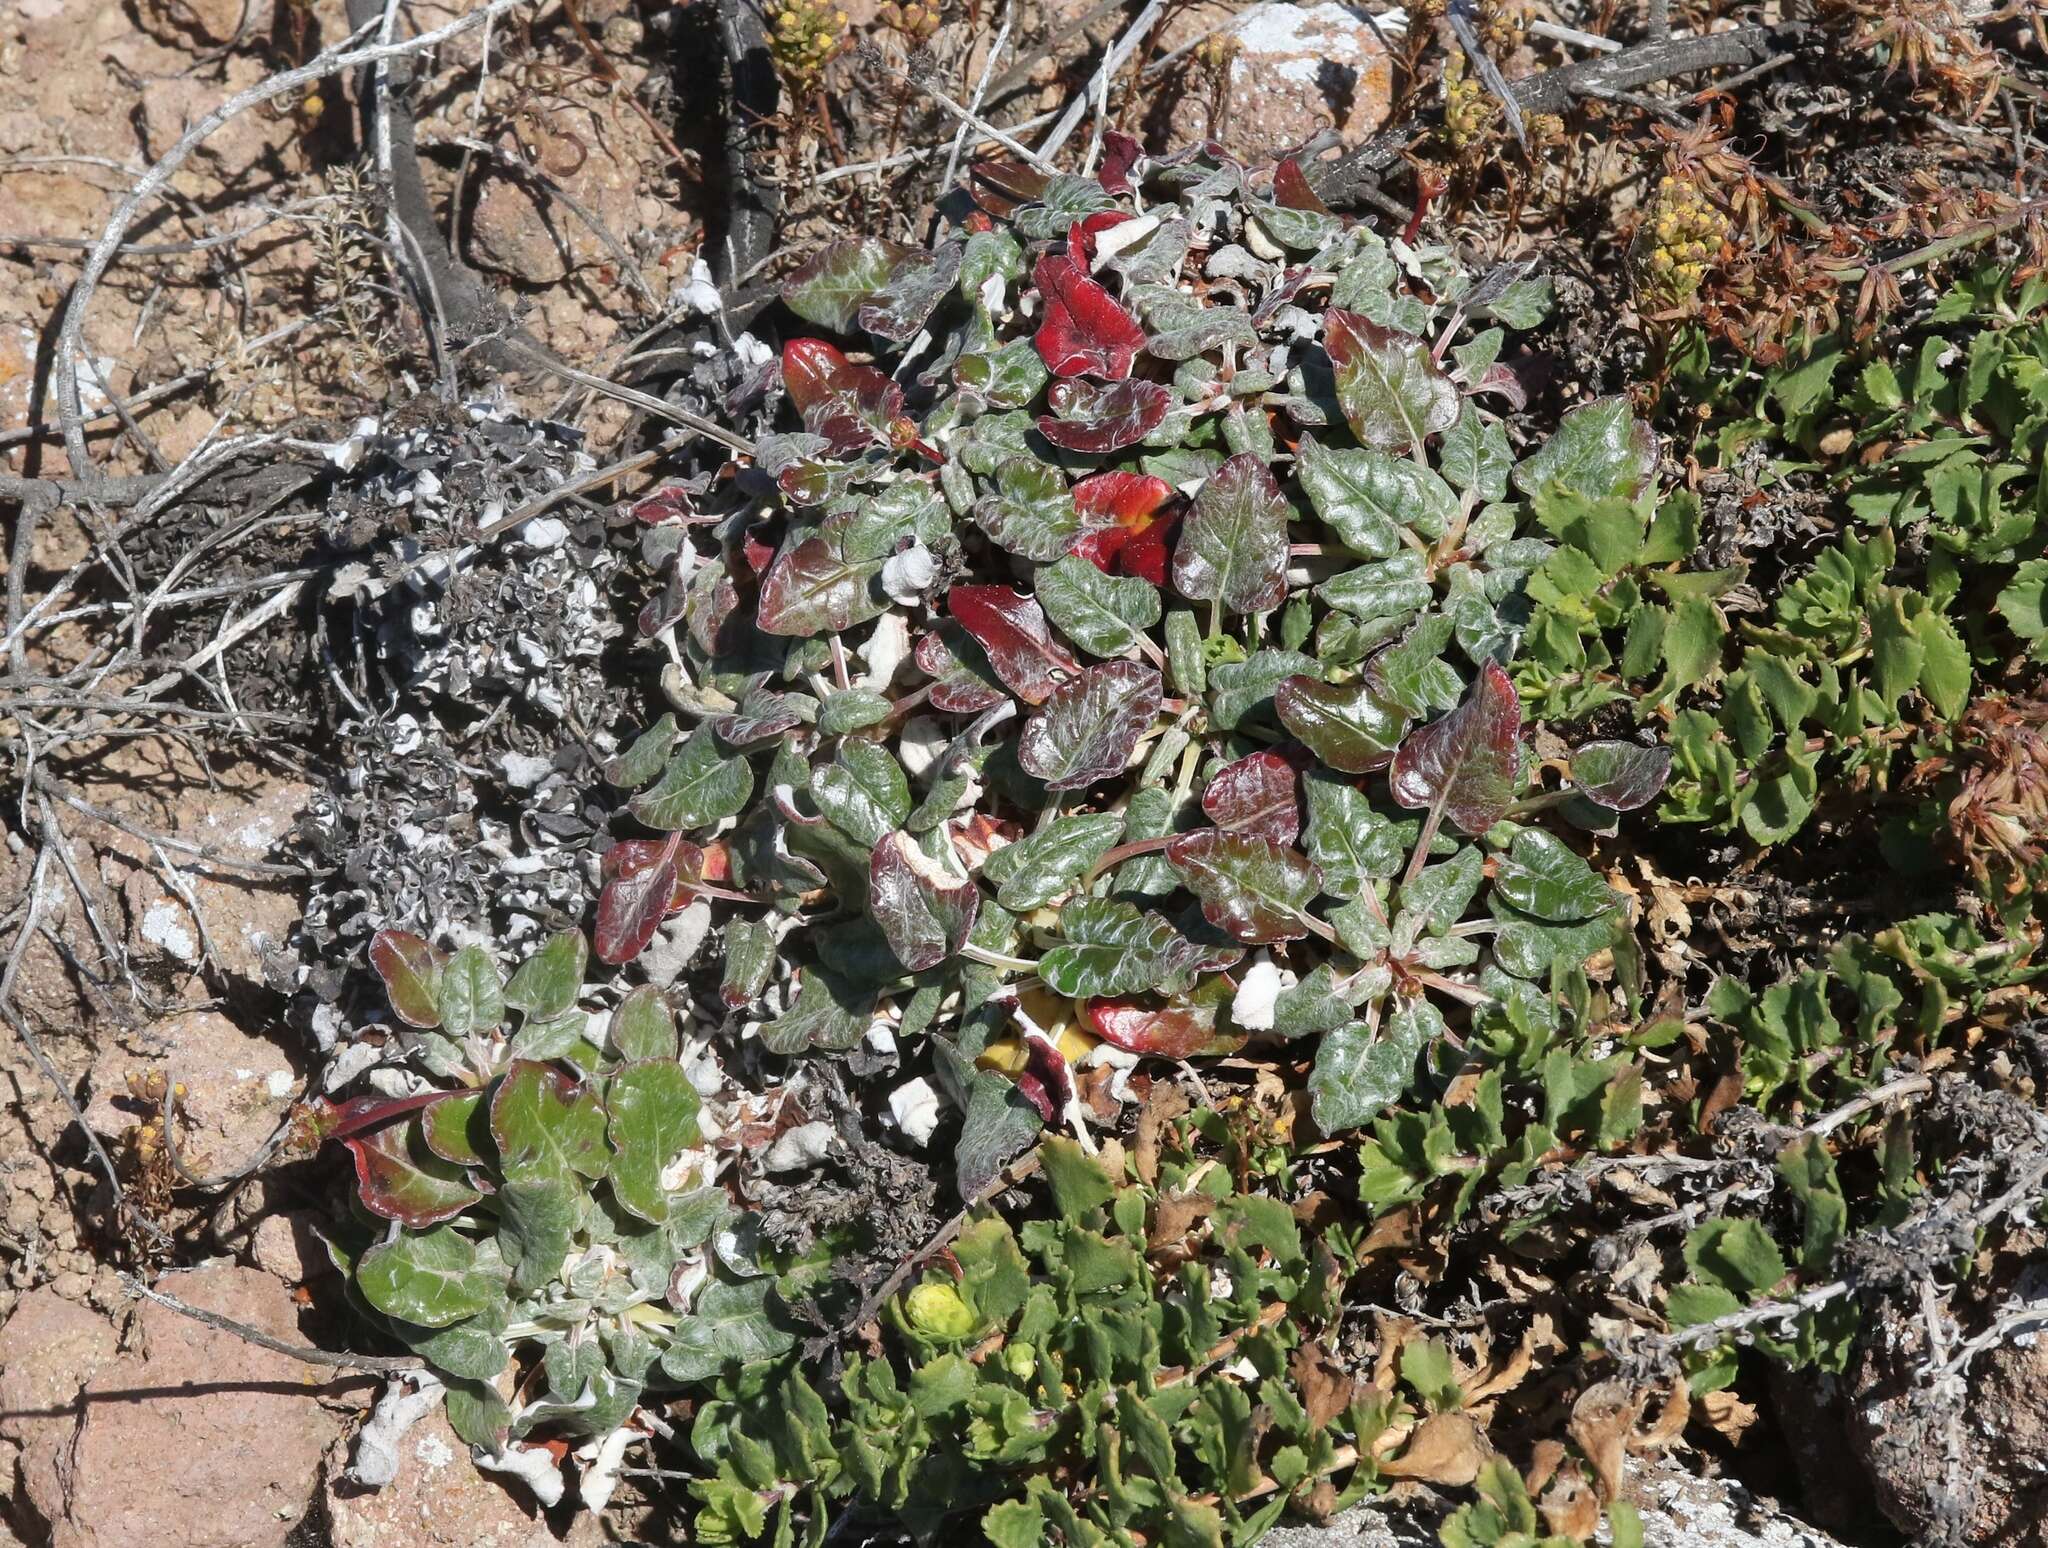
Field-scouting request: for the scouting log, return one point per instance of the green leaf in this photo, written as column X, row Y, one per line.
column 643, row 759
column 1426, row 1367
column 431, row 1279
column 1533, row 948
column 1079, row 1182
column 1475, row 455
column 829, row 1013
column 1393, row 588
column 830, row 287
column 1895, row 649
column 546, row 1124
column 1391, row 390
column 999, row 1123
column 1038, row 868
column 1251, row 889
column 925, row 912
column 1540, row 875
column 469, row 994
column 457, row 1128
column 1412, row 674
column 1367, row 497
column 1350, row 842
column 1352, row 727
column 1693, row 632
column 1441, row 893
column 538, row 1217
column 730, row 1324
column 1359, row 1073
column 1600, row 450
column 1945, row 669
column 549, row 981
column 1103, row 614
column 1233, row 545
column 1112, row 948
column 1031, row 513
column 643, row 1027
column 1809, row 1171
column 700, row 786
column 1738, row 1255
column 2024, row 602
column 653, row 1119
column 1620, row 776
column 1087, row 728
column 863, row 792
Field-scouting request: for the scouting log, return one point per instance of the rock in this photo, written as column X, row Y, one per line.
column 238, row 1088
column 1972, row 1455
column 511, row 232
column 49, row 1349
column 285, row 1246
column 1296, row 71
column 438, row 1500
column 208, row 21
column 246, row 918
column 194, row 1436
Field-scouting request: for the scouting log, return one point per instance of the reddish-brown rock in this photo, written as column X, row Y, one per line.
column 49, row 1348
column 1293, row 71
column 238, row 1088
column 196, row 1437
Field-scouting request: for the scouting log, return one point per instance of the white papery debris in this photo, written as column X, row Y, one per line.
column 700, row 296
column 533, row 1466
column 1257, row 993
column 601, row 1461
column 803, row 1146
column 905, row 576
column 398, row 1409
column 886, row 649
column 914, row 1107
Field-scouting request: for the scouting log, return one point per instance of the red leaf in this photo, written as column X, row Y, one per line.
column 1046, row 1079
column 645, row 881
column 1019, row 642
column 1168, row 1031
column 411, row 970
column 671, row 502
column 1001, row 186
column 1091, row 418
column 1255, row 795
column 1084, row 330
column 1139, row 542
column 336, row 1120
column 1120, row 154
column 398, row 1178
column 1081, row 235
column 1291, row 190
column 1466, row 761
column 851, row 406
column 962, row 678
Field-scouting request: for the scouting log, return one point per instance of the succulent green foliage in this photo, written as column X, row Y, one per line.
column 1865, row 638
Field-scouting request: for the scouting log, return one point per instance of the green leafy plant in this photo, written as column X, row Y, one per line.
column 1868, row 641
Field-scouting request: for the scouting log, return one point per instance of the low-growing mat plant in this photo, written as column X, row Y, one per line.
column 1157, row 637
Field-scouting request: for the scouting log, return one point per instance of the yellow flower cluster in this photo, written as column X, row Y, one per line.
column 917, row 20
column 1680, row 233
column 803, row 35
column 1470, row 113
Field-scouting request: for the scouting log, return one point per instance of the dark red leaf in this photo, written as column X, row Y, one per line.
column 1291, row 190
column 963, row 681
column 411, row 970
column 1466, row 761
column 1004, row 185
column 1091, row 418
column 1128, row 499
column 336, row 1120
column 1046, row 1080
column 1181, row 1031
column 1019, row 642
column 851, row 406
column 671, row 502
column 645, row 880
column 924, row 911
column 1084, row 329
column 398, row 1178
column 1256, row 795
column 1120, row 154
